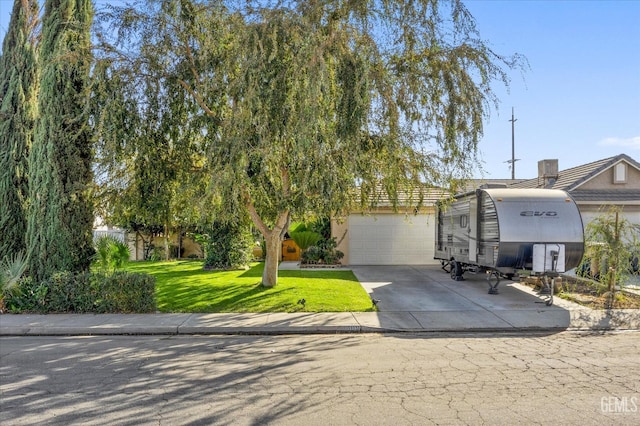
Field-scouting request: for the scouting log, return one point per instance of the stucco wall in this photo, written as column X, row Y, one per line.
column 189, row 246
column 605, row 180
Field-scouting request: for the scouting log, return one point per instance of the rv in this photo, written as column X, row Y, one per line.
column 502, row 231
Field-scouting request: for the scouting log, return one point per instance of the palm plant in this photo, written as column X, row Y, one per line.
column 119, row 255
column 111, row 253
column 305, row 239
column 11, row 270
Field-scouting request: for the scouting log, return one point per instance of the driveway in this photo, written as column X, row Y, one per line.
column 436, row 301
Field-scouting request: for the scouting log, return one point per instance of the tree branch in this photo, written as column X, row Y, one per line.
column 198, row 99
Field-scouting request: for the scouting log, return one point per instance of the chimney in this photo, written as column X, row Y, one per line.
column 547, row 173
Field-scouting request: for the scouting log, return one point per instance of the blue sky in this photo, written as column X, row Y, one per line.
column 579, row 102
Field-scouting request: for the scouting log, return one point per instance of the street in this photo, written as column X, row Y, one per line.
column 399, row 379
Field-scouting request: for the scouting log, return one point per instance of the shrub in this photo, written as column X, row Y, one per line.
column 127, row 293
column 324, row 252
column 29, row 297
column 119, row 292
column 111, row 253
column 305, row 239
column 227, row 246
column 319, row 246
column 11, row 271
column 70, row 292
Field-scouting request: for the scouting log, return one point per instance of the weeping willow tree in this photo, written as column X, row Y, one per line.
column 309, row 107
column 18, row 106
column 60, row 211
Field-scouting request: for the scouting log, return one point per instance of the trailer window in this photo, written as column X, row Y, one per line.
column 463, row 221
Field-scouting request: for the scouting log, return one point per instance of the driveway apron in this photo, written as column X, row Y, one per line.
column 436, row 301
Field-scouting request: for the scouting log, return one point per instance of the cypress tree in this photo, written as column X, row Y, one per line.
column 18, row 91
column 60, row 215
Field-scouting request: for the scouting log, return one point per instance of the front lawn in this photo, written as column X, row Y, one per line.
column 183, row 286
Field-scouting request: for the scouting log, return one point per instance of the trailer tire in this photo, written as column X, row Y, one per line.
column 456, row 271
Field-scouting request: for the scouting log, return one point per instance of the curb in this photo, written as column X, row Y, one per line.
column 192, row 324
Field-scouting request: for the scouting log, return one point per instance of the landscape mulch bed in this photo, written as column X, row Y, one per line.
column 589, row 293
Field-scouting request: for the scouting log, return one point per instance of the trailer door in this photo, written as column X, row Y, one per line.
column 473, row 229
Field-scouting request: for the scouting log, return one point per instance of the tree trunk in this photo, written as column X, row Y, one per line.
column 615, row 253
column 273, row 240
column 272, row 259
column 167, row 254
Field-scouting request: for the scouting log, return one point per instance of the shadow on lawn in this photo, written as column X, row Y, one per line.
column 254, row 271
column 228, row 298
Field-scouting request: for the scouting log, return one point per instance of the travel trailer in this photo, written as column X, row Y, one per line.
column 501, row 231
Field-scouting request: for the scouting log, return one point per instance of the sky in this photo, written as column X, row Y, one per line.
column 580, row 100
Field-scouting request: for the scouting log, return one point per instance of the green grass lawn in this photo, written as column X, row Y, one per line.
column 183, row 286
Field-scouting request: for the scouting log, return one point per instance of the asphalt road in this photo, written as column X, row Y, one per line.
column 399, row 379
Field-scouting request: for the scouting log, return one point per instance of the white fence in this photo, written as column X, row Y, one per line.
column 118, row 234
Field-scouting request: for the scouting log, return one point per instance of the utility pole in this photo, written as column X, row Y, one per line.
column 513, row 145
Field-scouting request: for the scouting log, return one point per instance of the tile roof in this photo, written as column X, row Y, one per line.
column 571, row 179
column 426, row 196
column 568, row 180
column 616, row 196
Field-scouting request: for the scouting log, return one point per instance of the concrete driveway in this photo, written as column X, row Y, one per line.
column 437, row 302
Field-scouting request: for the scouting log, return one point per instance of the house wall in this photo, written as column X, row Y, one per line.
column 591, row 211
column 340, row 230
column 189, row 246
column 605, row 180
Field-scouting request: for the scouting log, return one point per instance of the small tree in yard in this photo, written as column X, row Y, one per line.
column 301, row 102
column 227, row 246
column 612, row 242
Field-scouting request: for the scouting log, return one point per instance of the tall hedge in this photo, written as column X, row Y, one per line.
column 18, row 92
column 60, row 213
column 227, row 246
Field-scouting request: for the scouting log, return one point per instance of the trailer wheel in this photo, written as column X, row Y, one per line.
column 456, row 271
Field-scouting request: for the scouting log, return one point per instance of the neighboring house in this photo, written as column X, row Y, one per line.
column 388, row 237
column 613, row 181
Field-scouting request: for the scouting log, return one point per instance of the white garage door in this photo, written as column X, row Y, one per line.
column 391, row 239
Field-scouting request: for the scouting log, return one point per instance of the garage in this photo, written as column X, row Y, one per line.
column 391, row 239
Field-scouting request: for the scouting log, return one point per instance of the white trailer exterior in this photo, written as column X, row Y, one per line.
column 504, row 230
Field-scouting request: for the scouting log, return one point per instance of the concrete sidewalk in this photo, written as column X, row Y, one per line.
column 313, row 323
column 411, row 299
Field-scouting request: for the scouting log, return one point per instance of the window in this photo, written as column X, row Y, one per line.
column 620, row 173
column 463, row 221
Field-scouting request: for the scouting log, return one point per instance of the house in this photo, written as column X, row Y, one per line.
column 388, row 237
column 613, row 181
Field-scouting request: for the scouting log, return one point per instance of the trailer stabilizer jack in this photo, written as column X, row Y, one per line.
column 493, row 279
